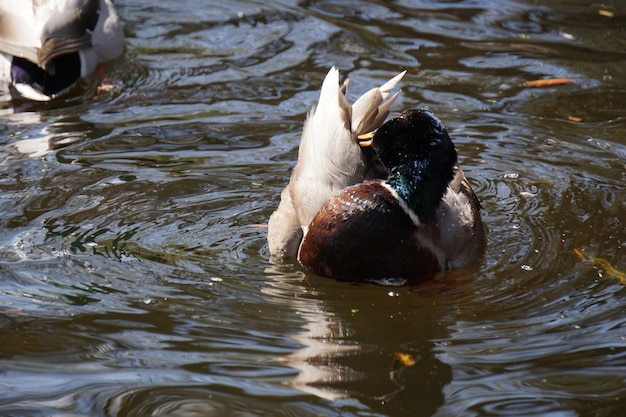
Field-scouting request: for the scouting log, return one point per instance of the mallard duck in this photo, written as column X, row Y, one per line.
column 329, row 158
column 48, row 45
column 423, row 219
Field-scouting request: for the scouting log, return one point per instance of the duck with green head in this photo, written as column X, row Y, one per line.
column 422, row 219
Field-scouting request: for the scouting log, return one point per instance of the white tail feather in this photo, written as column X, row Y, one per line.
column 329, row 158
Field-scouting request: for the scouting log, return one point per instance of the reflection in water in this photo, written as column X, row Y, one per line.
column 350, row 344
column 320, row 338
column 47, row 138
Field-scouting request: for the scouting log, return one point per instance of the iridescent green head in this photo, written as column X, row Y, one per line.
column 420, row 158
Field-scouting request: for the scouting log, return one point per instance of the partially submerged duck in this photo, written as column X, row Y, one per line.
column 423, row 219
column 388, row 206
column 46, row 46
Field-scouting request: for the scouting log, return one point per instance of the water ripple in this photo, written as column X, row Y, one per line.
column 132, row 220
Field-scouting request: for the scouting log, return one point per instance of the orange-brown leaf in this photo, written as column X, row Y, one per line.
column 602, row 263
column 548, row 82
column 405, row 358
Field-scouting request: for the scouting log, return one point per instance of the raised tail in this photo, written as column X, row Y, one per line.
column 371, row 109
column 329, row 158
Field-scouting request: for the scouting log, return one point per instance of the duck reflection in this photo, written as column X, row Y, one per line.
column 38, row 138
column 364, row 342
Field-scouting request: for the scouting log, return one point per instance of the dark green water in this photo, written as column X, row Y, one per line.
column 133, row 265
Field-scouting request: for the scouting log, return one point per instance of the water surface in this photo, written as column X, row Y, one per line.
column 133, row 262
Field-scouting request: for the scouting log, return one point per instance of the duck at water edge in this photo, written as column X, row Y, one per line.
column 46, row 46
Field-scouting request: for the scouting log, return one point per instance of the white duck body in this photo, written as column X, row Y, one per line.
column 45, row 33
column 458, row 231
column 329, row 158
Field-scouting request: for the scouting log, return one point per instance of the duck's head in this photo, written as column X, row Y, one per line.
column 50, row 45
column 420, row 157
column 43, row 84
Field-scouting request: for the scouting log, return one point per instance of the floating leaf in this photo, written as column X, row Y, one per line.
column 602, row 263
column 606, row 13
column 405, row 358
column 548, row 82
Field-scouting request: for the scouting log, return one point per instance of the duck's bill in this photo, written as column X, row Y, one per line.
column 365, row 140
column 30, row 93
